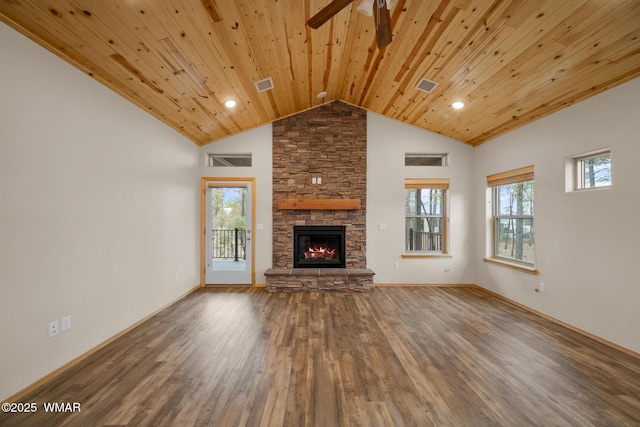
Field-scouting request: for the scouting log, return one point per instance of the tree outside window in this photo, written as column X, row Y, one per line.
column 513, row 213
column 594, row 171
column 514, row 222
column 228, row 222
column 425, row 215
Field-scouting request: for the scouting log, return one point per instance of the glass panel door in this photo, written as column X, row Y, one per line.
column 228, row 233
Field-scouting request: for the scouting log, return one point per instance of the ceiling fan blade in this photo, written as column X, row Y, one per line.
column 327, row 13
column 366, row 7
column 383, row 25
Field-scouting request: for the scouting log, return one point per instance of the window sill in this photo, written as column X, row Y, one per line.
column 514, row 266
column 426, row 255
column 588, row 189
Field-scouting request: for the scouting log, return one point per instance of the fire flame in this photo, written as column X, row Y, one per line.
column 319, row 252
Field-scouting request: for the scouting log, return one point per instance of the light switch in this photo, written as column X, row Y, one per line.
column 314, row 180
column 319, row 180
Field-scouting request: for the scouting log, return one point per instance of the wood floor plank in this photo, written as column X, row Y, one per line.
column 406, row 356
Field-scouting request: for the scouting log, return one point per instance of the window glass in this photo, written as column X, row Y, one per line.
column 424, row 218
column 414, row 159
column 513, row 215
column 595, row 171
column 515, row 199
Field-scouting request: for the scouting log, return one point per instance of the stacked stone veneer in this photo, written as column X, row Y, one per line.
column 328, row 142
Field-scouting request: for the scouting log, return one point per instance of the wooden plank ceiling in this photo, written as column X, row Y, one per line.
column 510, row 61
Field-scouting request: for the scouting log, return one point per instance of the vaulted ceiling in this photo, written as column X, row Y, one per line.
column 510, row 61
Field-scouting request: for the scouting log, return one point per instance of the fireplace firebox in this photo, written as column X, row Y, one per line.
column 318, row 246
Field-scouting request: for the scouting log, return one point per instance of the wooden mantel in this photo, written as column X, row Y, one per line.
column 320, row 204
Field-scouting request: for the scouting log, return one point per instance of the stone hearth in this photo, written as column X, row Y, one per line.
column 319, row 279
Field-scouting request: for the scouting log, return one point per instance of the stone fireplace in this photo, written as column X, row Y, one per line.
column 320, row 155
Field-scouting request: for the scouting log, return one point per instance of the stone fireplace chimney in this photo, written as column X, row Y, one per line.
column 330, row 143
column 321, row 154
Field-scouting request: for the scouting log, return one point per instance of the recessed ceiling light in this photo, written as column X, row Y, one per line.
column 322, row 95
column 458, row 105
column 230, row 103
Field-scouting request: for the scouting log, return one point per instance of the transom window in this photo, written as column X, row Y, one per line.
column 229, row 160
column 513, row 210
column 418, row 159
column 425, row 215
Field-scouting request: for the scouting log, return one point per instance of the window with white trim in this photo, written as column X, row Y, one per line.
column 229, row 160
column 592, row 170
column 513, row 212
column 426, row 216
column 421, row 159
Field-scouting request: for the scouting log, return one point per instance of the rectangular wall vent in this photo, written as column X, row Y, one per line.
column 426, row 85
column 229, row 160
column 264, row 85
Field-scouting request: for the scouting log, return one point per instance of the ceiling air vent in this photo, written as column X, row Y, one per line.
column 229, row 160
column 264, row 85
column 426, row 85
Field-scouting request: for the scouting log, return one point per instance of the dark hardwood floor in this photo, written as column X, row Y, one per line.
column 412, row 356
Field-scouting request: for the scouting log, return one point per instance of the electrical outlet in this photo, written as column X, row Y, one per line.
column 314, row 180
column 382, row 227
column 66, row 323
column 543, row 288
column 54, row 327
column 396, row 265
column 177, row 276
column 319, row 180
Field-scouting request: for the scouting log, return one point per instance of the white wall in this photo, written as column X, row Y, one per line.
column 388, row 141
column 259, row 143
column 586, row 242
column 99, row 209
